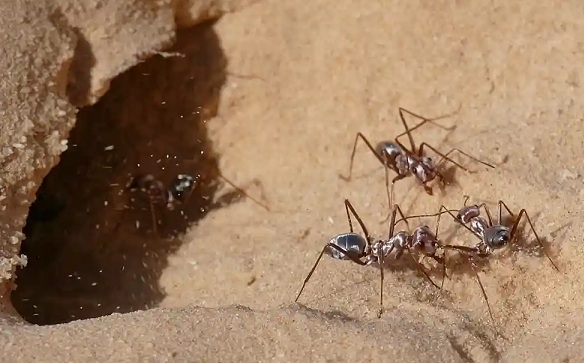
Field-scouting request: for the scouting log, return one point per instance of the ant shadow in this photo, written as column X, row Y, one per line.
column 91, row 246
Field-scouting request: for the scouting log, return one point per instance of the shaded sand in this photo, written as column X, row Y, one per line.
column 325, row 70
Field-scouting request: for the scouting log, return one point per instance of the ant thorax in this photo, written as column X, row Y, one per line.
column 400, row 241
column 380, row 248
column 350, row 242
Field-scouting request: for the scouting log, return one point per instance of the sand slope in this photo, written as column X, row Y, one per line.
column 329, row 69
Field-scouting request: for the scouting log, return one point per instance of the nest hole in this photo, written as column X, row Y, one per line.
column 90, row 242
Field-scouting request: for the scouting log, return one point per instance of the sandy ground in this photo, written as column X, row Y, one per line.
column 323, row 71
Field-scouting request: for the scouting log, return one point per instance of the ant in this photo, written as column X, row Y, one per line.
column 177, row 192
column 367, row 251
column 405, row 161
column 493, row 236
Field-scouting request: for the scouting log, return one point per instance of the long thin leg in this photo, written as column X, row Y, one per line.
column 397, row 209
column 393, row 181
column 425, row 120
column 421, row 268
column 469, row 156
column 403, row 217
column 516, row 224
column 444, row 259
column 473, row 267
column 380, row 285
column 243, row 192
column 445, row 210
column 389, row 195
column 444, row 157
column 468, row 252
column 459, row 221
column 349, row 207
column 351, row 256
column 371, row 148
column 488, row 212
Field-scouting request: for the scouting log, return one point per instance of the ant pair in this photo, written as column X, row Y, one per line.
column 365, row 251
column 177, row 192
column 395, row 156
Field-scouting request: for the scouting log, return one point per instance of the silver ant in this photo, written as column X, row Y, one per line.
column 492, row 236
column 178, row 191
column 404, row 162
column 365, row 250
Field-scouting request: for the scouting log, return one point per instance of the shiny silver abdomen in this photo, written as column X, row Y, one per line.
column 349, row 242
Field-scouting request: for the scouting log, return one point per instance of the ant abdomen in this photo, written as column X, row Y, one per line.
column 350, row 242
column 467, row 213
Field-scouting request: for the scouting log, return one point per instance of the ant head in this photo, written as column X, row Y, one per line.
column 497, row 236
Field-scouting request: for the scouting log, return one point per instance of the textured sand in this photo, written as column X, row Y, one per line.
column 328, row 69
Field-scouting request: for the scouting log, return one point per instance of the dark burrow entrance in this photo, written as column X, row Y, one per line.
column 90, row 243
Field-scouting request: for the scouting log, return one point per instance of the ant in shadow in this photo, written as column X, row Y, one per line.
column 404, row 161
column 365, row 250
column 177, row 192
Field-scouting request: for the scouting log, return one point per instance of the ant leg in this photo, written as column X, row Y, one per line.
column 514, row 230
column 428, row 188
column 381, row 285
column 350, row 255
column 430, row 215
column 388, row 193
column 396, row 209
column 470, row 157
column 243, row 192
column 457, row 219
column 393, row 181
column 502, row 205
column 424, row 121
column 469, row 252
column 421, row 268
column 473, row 267
column 371, row 148
column 349, row 207
column 488, row 212
column 444, row 156
column 403, row 217
column 436, row 258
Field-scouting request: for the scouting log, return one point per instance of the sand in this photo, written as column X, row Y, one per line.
column 319, row 72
